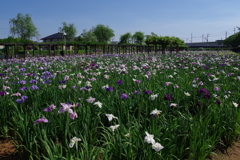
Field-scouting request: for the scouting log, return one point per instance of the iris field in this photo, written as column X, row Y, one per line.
column 121, row 107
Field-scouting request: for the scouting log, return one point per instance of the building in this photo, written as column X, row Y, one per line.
column 216, row 44
column 53, row 38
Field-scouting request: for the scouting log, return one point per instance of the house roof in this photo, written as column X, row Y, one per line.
column 53, row 36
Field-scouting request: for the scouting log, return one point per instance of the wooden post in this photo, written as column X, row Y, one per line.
column 24, row 47
column 15, row 50
column 95, row 49
column 49, row 50
column 33, row 49
column 7, row 51
column 148, row 48
column 86, row 50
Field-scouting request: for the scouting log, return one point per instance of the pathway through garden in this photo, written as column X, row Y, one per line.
column 7, row 151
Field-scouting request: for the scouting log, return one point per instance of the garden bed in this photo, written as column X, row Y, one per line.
column 135, row 106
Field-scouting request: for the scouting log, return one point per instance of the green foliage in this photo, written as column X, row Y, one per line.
column 126, row 38
column 233, row 40
column 103, row 33
column 69, row 29
column 138, row 37
column 22, row 26
column 165, row 41
column 87, row 36
column 16, row 40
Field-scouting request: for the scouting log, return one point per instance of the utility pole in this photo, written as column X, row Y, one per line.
column 234, row 30
column 226, row 35
column 202, row 37
column 207, row 37
column 191, row 37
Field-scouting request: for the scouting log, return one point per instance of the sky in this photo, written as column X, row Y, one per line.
column 190, row 20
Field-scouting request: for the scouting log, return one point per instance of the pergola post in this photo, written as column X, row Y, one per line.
column 95, row 49
column 49, row 50
column 86, row 50
column 15, row 50
column 33, row 50
column 24, row 47
column 148, row 48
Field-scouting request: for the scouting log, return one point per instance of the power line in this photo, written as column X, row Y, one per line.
column 221, row 34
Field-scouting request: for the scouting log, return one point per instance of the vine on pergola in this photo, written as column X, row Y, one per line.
column 165, row 41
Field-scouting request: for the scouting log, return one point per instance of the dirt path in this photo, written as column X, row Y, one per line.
column 7, row 152
column 232, row 153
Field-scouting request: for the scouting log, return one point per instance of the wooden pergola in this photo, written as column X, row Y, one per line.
column 106, row 48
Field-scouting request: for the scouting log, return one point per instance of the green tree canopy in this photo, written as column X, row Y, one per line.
column 87, row 36
column 233, row 40
column 125, row 38
column 69, row 29
column 138, row 37
column 15, row 40
column 22, row 26
column 103, row 33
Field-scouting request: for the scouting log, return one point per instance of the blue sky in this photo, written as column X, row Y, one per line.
column 186, row 19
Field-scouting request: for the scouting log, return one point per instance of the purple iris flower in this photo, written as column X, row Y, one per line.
column 119, row 82
column 124, row 96
column 49, row 108
column 19, row 100
column 207, row 95
column 22, row 82
column 47, row 81
column 202, row 90
column 43, row 119
column 23, row 88
column 33, row 81
column 136, row 92
column 34, row 87
column 109, row 89
column 22, row 69
column 2, row 93
column 218, row 101
column 24, row 98
column 147, row 92
column 61, row 82
column 167, row 97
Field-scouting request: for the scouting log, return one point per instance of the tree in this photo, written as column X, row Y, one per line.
column 87, row 36
column 138, row 37
column 125, row 38
column 103, row 33
column 23, row 27
column 233, row 40
column 69, row 29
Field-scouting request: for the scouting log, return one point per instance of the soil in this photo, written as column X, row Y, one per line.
column 8, row 152
column 231, row 153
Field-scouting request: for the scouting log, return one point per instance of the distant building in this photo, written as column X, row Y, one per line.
column 53, row 38
column 216, row 44
column 114, row 42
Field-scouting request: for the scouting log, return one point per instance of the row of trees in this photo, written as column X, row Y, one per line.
column 22, row 26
